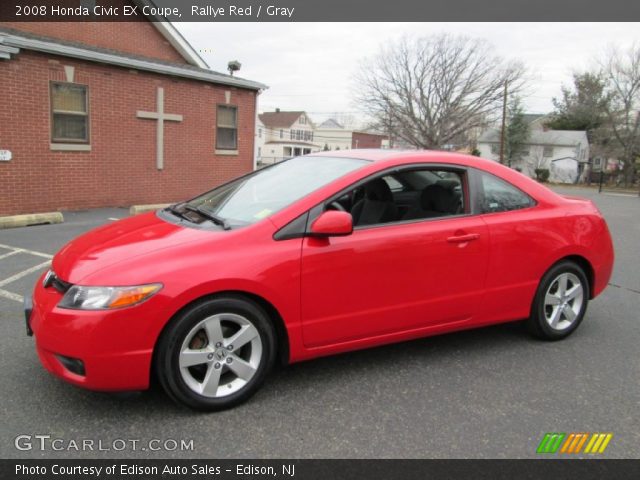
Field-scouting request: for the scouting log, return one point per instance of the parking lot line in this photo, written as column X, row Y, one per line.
column 23, row 250
column 11, row 296
column 24, row 273
column 13, row 252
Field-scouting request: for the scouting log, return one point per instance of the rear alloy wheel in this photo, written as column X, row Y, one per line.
column 560, row 302
column 216, row 354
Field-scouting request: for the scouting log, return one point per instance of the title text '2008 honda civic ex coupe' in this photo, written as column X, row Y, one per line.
column 312, row 256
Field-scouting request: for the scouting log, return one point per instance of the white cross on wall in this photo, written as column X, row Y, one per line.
column 160, row 116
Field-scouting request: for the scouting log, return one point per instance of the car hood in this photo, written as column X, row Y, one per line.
column 120, row 242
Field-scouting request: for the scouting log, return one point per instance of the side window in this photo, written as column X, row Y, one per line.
column 500, row 196
column 404, row 196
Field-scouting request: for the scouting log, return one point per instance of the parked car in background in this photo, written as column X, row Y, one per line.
column 313, row 256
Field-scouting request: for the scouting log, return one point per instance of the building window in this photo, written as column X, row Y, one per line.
column 303, row 120
column 291, row 134
column 281, row 133
column 259, row 133
column 547, row 152
column 227, row 128
column 69, row 113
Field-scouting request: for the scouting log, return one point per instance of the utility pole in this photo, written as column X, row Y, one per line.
column 389, row 132
column 504, row 122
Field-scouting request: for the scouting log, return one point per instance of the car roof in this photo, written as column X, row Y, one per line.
column 377, row 154
column 399, row 157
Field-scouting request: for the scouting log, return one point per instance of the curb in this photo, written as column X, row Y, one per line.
column 14, row 221
column 138, row 209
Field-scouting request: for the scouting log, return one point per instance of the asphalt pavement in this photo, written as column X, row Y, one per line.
column 488, row 393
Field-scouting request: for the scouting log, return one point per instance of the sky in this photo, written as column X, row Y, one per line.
column 311, row 66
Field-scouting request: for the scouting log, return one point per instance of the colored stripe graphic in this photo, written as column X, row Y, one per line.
column 550, row 442
column 573, row 442
column 598, row 443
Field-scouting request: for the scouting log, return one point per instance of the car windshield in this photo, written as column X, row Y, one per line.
column 264, row 192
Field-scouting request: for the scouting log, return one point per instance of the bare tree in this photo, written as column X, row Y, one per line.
column 429, row 91
column 621, row 68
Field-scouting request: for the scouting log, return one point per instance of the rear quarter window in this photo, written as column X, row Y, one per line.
column 498, row 195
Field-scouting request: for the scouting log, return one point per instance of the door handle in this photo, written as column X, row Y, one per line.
column 463, row 238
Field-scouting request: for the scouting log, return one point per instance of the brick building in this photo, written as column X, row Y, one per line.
column 369, row 140
column 114, row 114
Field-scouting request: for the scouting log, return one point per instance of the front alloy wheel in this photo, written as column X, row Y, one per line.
column 216, row 354
column 220, row 355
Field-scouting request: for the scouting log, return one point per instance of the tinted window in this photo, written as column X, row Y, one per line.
column 500, row 196
column 403, row 196
column 266, row 191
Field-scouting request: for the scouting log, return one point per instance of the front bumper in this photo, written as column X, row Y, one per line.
column 115, row 348
column 28, row 309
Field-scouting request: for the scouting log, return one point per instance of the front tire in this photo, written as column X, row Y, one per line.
column 216, row 354
column 560, row 302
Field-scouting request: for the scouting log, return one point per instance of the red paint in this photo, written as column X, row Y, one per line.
column 375, row 286
column 332, row 224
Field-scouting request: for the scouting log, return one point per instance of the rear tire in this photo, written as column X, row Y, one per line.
column 216, row 354
column 560, row 302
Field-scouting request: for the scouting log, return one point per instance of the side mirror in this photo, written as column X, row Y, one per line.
column 332, row 223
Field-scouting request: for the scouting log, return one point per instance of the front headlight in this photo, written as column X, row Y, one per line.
column 107, row 298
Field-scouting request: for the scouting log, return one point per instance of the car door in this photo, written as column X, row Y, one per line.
column 520, row 244
column 393, row 277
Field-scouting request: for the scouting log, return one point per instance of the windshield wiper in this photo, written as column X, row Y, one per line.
column 211, row 216
column 176, row 212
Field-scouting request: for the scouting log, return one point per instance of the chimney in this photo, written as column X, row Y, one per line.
column 277, row 110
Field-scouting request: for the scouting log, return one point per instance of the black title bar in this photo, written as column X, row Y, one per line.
column 321, row 10
column 320, row 469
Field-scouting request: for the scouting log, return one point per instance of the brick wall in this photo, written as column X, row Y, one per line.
column 120, row 169
column 366, row 140
column 139, row 38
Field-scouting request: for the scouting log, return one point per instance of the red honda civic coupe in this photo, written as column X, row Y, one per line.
column 313, row 256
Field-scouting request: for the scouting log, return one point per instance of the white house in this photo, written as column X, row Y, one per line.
column 330, row 135
column 281, row 135
column 565, row 153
